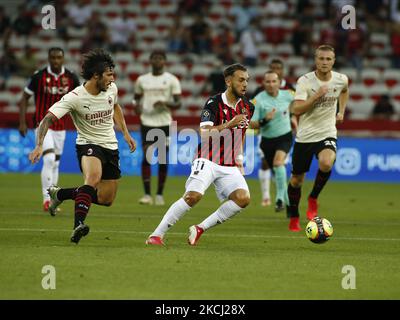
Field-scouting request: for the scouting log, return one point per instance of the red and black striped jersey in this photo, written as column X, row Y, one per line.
column 48, row 88
column 223, row 147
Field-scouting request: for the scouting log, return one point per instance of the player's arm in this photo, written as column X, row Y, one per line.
column 176, row 103
column 302, row 106
column 44, row 125
column 120, row 122
column 23, row 106
column 343, row 98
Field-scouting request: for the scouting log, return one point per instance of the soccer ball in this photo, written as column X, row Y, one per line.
column 319, row 230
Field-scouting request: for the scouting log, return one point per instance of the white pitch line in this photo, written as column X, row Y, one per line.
column 223, row 235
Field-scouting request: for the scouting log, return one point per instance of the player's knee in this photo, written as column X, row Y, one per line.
column 297, row 180
column 93, row 179
column 241, row 198
column 49, row 160
column 325, row 165
column 191, row 198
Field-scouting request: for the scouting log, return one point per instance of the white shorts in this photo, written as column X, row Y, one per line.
column 53, row 140
column 225, row 179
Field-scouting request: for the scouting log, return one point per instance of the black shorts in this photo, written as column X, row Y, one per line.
column 303, row 153
column 109, row 159
column 154, row 136
column 269, row 146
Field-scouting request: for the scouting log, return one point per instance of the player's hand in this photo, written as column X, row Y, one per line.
column 22, row 129
column 270, row 114
column 131, row 143
column 136, row 108
column 339, row 118
column 323, row 90
column 36, row 154
column 239, row 119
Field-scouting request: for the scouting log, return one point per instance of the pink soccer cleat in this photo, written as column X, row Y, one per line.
column 156, row 241
column 195, row 233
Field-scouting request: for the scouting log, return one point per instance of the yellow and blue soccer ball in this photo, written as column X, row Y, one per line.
column 319, row 230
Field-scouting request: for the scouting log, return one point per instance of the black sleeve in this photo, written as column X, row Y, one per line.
column 209, row 112
column 33, row 83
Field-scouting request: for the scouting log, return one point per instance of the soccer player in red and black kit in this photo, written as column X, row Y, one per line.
column 48, row 86
column 219, row 160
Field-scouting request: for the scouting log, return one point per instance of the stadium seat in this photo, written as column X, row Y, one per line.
column 351, row 73
column 361, row 110
column 200, row 72
column 135, row 70
column 391, row 77
column 376, row 91
column 358, row 91
column 394, row 93
column 370, row 76
column 179, row 70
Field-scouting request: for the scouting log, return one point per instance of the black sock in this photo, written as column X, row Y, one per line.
column 319, row 183
column 294, row 195
column 83, row 200
column 162, row 177
column 146, row 176
column 67, row 194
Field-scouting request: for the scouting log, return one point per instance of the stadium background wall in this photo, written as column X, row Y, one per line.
column 358, row 159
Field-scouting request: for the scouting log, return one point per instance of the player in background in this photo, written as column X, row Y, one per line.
column 94, row 109
column 272, row 117
column 224, row 120
column 316, row 98
column 156, row 94
column 48, row 86
column 264, row 173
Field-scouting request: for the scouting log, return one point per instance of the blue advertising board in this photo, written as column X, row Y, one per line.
column 358, row 159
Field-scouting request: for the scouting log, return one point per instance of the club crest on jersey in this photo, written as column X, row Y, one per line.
column 110, row 100
column 48, row 79
column 89, row 151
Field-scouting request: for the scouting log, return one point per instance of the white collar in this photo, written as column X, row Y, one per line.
column 56, row 75
column 283, row 83
column 225, row 101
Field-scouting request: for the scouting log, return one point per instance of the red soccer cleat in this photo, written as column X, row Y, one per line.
column 46, row 205
column 294, row 224
column 154, row 240
column 195, row 233
column 312, row 210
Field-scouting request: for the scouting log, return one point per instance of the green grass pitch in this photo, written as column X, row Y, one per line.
column 252, row 256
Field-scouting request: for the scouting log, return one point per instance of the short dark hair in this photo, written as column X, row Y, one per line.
column 52, row 49
column 278, row 61
column 230, row 70
column 96, row 62
column 158, row 53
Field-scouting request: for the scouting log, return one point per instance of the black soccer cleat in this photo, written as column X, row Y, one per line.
column 279, row 206
column 80, row 231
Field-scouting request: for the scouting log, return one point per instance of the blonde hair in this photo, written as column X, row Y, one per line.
column 325, row 47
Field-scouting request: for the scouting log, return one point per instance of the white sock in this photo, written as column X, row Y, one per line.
column 174, row 213
column 225, row 211
column 265, row 181
column 47, row 174
column 55, row 172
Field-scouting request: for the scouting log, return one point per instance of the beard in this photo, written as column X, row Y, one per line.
column 236, row 93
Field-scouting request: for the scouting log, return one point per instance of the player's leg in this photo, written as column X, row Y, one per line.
column 301, row 162
column 59, row 139
column 146, row 167
column 46, row 174
column 198, row 182
column 162, row 166
column 326, row 158
column 229, row 184
column 280, row 180
column 264, row 174
column 282, row 148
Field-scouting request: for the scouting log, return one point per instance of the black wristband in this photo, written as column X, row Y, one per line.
column 263, row 122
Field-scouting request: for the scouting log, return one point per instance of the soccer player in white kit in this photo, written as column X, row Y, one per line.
column 316, row 99
column 94, row 109
column 219, row 159
column 156, row 94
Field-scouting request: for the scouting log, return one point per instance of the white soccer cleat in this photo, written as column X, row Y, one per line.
column 54, row 202
column 146, row 199
column 195, row 233
column 159, row 201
